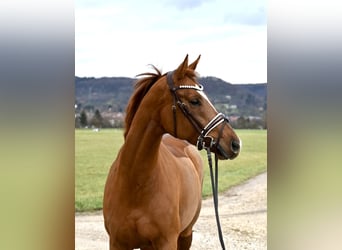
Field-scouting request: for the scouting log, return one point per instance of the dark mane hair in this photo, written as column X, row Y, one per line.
column 141, row 87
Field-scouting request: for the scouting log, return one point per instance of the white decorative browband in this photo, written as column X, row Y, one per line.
column 199, row 87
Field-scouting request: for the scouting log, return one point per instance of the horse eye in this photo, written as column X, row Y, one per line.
column 195, row 102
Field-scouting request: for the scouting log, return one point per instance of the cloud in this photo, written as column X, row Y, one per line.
column 185, row 4
column 252, row 17
column 119, row 38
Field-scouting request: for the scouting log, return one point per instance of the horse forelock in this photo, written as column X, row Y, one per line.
column 141, row 88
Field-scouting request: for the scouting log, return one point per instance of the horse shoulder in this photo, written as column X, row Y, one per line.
column 181, row 148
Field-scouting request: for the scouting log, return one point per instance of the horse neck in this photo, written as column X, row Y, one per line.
column 140, row 151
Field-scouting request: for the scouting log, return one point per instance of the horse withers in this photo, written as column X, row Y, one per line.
column 152, row 196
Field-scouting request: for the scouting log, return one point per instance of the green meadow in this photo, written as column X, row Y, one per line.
column 95, row 152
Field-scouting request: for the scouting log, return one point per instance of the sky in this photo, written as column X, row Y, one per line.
column 123, row 37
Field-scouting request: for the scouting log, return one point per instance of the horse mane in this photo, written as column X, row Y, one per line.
column 141, row 87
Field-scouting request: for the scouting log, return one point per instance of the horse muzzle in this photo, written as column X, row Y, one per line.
column 215, row 147
column 233, row 152
column 204, row 140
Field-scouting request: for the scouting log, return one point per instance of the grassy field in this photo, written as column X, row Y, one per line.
column 95, row 152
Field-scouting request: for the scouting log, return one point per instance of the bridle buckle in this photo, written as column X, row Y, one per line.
column 204, row 142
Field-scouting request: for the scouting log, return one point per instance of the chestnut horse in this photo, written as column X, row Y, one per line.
column 152, row 196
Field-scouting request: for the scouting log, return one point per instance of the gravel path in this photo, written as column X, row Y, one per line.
column 243, row 215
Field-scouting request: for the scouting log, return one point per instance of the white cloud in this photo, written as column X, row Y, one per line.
column 120, row 39
column 185, row 4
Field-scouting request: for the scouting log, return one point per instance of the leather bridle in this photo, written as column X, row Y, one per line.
column 204, row 141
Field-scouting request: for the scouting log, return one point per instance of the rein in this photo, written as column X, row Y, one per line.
column 214, row 187
column 204, row 141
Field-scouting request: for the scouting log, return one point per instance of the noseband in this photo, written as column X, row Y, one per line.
column 204, row 140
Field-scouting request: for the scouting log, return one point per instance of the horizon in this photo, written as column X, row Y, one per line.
column 95, row 77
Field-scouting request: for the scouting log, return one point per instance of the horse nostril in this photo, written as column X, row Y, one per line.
column 235, row 146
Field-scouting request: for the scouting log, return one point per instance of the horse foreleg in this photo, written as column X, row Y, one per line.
column 184, row 242
column 147, row 248
column 166, row 244
column 117, row 246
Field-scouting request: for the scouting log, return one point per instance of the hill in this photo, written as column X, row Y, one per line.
column 113, row 93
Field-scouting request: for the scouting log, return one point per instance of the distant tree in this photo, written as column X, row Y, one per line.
column 77, row 122
column 242, row 122
column 83, row 119
column 97, row 119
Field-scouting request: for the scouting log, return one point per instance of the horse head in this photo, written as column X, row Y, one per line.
column 188, row 114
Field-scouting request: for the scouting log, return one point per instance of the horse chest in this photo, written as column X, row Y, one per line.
column 134, row 229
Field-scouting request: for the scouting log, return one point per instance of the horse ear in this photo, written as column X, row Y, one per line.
column 194, row 64
column 181, row 70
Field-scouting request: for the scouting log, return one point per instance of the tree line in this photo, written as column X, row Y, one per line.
column 97, row 120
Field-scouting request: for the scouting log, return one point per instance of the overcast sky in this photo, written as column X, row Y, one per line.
column 121, row 37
